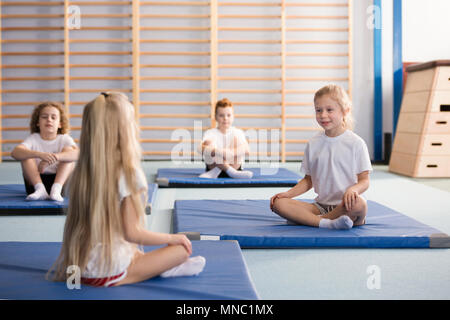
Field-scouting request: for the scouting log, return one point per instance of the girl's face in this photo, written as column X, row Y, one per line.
column 49, row 121
column 224, row 118
column 329, row 115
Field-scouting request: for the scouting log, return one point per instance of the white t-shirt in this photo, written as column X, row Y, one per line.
column 141, row 183
column 123, row 250
column 334, row 163
column 224, row 141
column 36, row 143
column 121, row 256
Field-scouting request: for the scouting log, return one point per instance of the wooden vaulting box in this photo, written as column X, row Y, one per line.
column 422, row 141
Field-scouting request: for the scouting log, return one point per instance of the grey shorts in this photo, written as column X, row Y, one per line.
column 324, row 208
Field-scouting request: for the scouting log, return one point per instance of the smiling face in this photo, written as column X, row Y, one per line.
column 329, row 115
column 49, row 122
column 224, row 118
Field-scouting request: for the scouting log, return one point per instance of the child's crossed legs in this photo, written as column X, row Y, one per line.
column 308, row 214
column 32, row 177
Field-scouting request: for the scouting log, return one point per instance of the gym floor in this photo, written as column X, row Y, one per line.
column 304, row 273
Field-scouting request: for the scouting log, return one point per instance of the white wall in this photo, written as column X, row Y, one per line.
column 426, row 26
column 387, row 64
column 363, row 92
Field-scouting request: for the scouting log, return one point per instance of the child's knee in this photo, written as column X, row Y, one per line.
column 28, row 163
column 361, row 205
column 278, row 204
column 65, row 166
column 359, row 211
column 182, row 253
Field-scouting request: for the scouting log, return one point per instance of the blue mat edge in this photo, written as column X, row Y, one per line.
column 39, row 206
column 196, row 181
column 435, row 240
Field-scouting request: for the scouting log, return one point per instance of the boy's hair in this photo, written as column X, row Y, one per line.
column 109, row 146
column 63, row 119
column 338, row 94
column 224, row 103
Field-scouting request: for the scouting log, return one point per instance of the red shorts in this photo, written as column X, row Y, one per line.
column 103, row 282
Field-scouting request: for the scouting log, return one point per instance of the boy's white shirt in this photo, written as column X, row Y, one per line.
column 334, row 163
column 224, row 141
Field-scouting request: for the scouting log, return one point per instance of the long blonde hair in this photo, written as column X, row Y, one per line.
column 338, row 94
column 109, row 146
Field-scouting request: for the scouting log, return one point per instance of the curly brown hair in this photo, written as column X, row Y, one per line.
column 64, row 120
column 224, row 103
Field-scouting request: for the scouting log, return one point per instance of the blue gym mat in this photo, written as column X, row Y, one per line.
column 12, row 202
column 23, row 267
column 254, row 225
column 262, row 177
column 152, row 191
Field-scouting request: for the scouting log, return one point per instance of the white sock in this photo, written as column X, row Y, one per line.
column 211, row 174
column 236, row 174
column 39, row 194
column 55, row 193
column 192, row 267
column 342, row 223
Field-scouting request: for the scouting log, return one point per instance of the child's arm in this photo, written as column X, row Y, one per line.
column 241, row 148
column 301, row 187
column 352, row 193
column 136, row 234
column 232, row 154
column 68, row 154
column 208, row 147
column 21, row 153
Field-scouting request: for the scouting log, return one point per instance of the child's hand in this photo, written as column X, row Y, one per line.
column 42, row 165
column 51, row 158
column 350, row 198
column 180, row 239
column 278, row 196
column 208, row 145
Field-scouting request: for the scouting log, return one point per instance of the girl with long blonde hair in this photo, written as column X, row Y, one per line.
column 105, row 224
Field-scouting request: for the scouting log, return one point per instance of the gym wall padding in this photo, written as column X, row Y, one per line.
column 175, row 60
